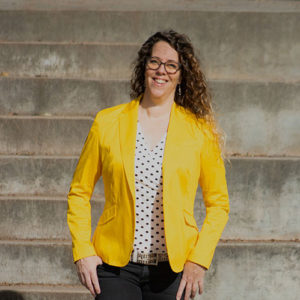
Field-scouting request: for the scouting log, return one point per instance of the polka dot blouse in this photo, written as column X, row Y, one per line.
column 149, row 227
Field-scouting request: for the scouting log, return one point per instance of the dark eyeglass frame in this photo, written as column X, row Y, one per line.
column 161, row 63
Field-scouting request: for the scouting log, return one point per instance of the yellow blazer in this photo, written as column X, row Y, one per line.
column 190, row 158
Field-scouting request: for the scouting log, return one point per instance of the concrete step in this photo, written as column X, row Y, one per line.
column 43, row 135
column 39, row 217
column 62, row 97
column 39, row 175
column 248, row 178
column 121, row 25
column 44, row 292
column 258, row 118
column 249, row 266
column 264, row 199
column 251, row 218
column 80, row 97
column 242, row 48
column 113, row 61
column 134, row 5
column 101, row 61
column 42, row 175
column 275, row 133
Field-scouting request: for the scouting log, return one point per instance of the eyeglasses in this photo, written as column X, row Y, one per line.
column 171, row 67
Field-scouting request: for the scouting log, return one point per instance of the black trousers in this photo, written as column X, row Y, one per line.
column 137, row 281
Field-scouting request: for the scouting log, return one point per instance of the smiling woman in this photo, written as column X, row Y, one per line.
column 152, row 153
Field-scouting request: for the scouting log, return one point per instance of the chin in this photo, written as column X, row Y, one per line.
column 158, row 93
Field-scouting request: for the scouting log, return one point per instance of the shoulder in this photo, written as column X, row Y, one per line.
column 110, row 113
column 201, row 127
column 205, row 131
column 109, row 116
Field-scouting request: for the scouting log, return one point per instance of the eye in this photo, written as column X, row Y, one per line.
column 172, row 65
column 153, row 61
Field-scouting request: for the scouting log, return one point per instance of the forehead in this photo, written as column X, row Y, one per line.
column 164, row 51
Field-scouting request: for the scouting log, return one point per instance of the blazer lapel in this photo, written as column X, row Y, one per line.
column 128, row 128
column 176, row 136
column 179, row 136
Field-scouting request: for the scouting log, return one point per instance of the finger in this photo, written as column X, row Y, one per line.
column 201, row 287
column 188, row 289
column 89, row 285
column 81, row 278
column 95, row 282
column 194, row 290
column 180, row 289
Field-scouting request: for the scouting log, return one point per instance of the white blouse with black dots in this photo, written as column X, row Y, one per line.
column 149, row 227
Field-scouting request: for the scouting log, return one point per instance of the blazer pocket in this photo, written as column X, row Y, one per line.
column 190, row 220
column 108, row 214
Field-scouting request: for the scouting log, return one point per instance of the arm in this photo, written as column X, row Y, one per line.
column 87, row 173
column 215, row 196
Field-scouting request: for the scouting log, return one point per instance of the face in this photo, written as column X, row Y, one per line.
column 160, row 84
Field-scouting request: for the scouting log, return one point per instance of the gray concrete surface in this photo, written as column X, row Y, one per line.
column 258, row 187
column 121, row 26
column 31, row 292
column 258, row 118
column 264, row 198
column 262, row 268
column 43, row 135
column 263, row 215
column 62, row 97
column 251, row 129
column 80, row 97
column 36, row 263
column 247, row 177
column 134, row 5
column 254, row 271
column 246, row 46
column 72, row 61
column 39, row 218
column 38, row 175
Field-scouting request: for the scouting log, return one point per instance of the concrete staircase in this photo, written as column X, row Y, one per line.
column 62, row 62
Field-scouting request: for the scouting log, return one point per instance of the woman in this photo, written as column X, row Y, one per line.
column 152, row 153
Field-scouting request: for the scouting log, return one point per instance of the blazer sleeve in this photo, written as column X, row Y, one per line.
column 215, row 196
column 87, row 173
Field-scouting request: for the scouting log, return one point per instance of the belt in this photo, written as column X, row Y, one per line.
column 148, row 258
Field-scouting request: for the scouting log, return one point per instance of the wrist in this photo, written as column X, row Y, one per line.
column 202, row 267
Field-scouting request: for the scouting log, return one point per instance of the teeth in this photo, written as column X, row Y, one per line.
column 160, row 80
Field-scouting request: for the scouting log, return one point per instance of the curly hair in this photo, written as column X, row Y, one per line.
column 195, row 95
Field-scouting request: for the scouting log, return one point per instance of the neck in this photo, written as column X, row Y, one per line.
column 156, row 107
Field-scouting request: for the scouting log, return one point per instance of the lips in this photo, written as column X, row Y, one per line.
column 159, row 81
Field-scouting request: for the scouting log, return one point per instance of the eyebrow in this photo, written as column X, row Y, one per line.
column 167, row 60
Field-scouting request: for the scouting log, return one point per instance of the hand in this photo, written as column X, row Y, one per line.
column 192, row 279
column 87, row 273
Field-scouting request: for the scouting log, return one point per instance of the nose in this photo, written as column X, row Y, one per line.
column 161, row 69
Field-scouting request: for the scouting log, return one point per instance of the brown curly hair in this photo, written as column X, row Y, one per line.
column 195, row 95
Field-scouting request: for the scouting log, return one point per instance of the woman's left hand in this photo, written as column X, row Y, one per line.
column 192, row 279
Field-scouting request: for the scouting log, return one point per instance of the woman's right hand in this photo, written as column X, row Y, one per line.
column 87, row 273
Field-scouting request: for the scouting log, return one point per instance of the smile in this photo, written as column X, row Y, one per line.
column 159, row 81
